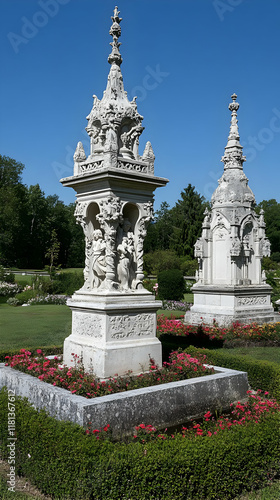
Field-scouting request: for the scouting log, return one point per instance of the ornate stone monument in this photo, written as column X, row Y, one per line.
column 113, row 316
column 230, row 284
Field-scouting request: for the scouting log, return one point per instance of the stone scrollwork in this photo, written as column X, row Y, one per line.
column 255, row 300
column 137, row 325
column 80, row 213
column 87, row 324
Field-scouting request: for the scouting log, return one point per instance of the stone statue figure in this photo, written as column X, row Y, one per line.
column 125, row 265
column 98, row 258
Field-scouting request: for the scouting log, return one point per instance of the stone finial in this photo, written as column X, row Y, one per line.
column 233, row 107
column 115, row 32
column 79, row 154
column 233, row 157
column 149, row 155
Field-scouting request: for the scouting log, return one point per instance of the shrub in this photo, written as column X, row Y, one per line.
column 66, row 283
column 8, row 289
column 49, row 350
column 189, row 267
column 13, row 301
column 63, row 461
column 275, row 256
column 6, row 276
column 23, row 297
column 262, row 375
column 161, row 260
column 149, row 284
column 171, row 285
column 48, row 299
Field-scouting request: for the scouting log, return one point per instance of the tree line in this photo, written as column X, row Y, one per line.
column 38, row 230
column 35, row 228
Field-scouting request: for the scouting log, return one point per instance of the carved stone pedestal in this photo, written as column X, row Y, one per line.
column 113, row 333
column 230, row 304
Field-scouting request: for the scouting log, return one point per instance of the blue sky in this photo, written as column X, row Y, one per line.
column 183, row 58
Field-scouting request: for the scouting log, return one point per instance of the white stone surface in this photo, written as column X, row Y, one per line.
column 113, row 326
column 230, row 284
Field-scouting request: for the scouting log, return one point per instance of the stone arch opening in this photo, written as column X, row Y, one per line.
column 92, row 222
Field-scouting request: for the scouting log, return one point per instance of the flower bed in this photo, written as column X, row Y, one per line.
column 181, row 366
column 9, row 289
column 175, row 305
column 242, row 413
column 268, row 333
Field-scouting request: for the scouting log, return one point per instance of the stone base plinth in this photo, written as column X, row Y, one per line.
column 113, row 333
column 230, row 304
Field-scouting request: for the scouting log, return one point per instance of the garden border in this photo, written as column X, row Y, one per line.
column 162, row 405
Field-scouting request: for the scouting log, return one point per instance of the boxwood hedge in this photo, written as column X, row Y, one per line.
column 263, row 375
column 65, row 463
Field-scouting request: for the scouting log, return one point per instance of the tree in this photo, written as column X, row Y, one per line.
column 13, row 199
column 187, row 217
column 272, row 219
column 53, row 250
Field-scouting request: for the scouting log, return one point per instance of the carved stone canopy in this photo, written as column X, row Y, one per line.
column 114, row 186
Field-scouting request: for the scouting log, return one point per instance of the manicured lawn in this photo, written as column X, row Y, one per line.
column 168, row 314
column 33, row 326
column 271, row 354
column 270, row 493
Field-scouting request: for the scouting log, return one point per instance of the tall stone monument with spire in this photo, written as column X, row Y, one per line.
column 113, row 316
column 230, row 284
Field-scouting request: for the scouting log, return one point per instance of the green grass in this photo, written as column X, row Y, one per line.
column 33, row 326
column 269, row 493
column 271, row 354
column 168, row 314
column 188, row 297
column 73, row 270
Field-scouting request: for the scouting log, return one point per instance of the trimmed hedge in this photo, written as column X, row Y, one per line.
column 262, row 375
column 65, row 463
column 47, row 350
column 171, row 285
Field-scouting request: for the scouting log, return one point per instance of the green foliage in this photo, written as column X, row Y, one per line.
column 48, row 350
column 272, row 219
column 23, row 297
column 66, row 283
column 52, row 252
column 187, row 217
column 161, row 260
column 64, row 462
column 188, row 266
column 6, row 276
column 177, row 228
column 171, row 285
column 28, row 220
column 275, row 257
column 262, row 375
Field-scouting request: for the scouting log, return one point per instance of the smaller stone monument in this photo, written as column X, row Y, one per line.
column 113, row 315
column 230, row 284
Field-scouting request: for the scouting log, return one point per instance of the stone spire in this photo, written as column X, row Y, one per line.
column 115, row 32
column 230, row 285
column 114, row 124
column 233, row 157
column 233, row 185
